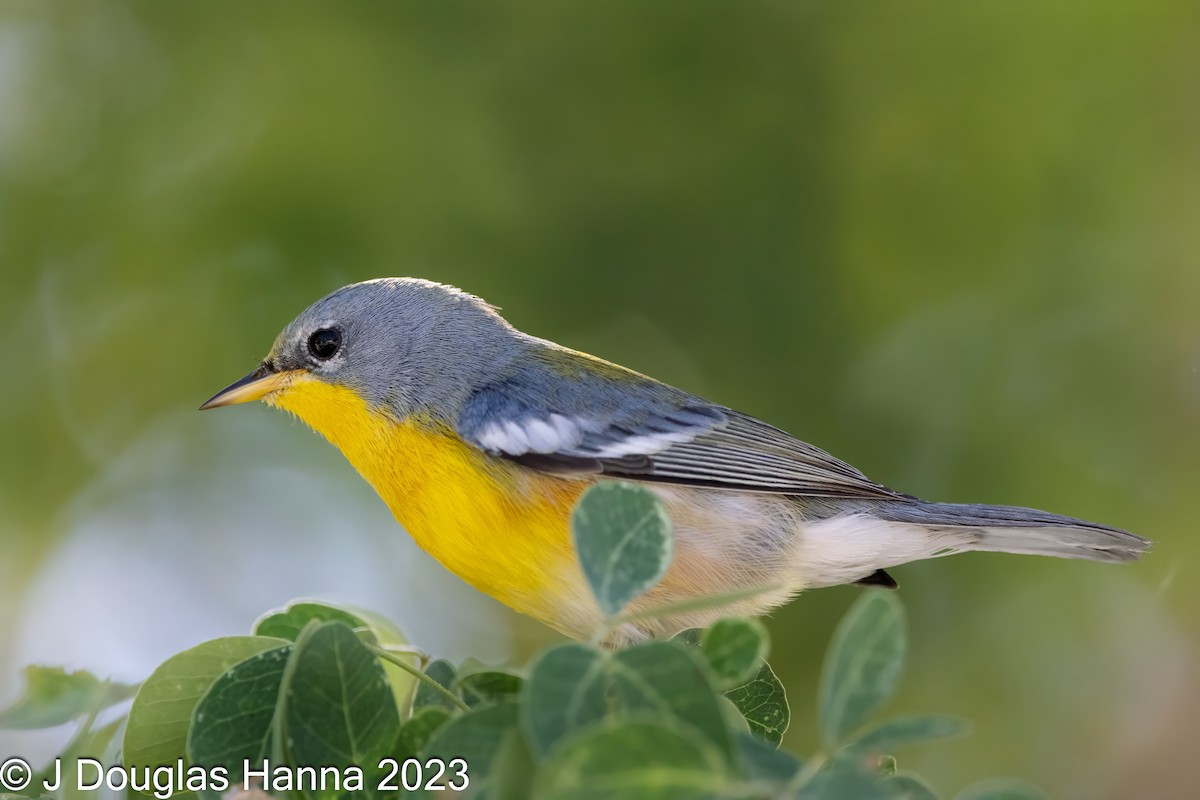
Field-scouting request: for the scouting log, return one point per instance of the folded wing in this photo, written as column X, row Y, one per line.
column 560, row 411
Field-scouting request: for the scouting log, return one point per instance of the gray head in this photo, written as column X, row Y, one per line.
column 406, row 344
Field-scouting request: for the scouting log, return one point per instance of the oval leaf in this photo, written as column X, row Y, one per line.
column 735, row 649
column 761, row 761
column 689, row 637
column 488, row 686
column 512, row 769
column 649, row 759
column 476, row 737
column 907, row 786
column 235, row 719
column 623, row 540
column 418, row 729
column 289, row 621
column 862, row 666
column 843, row 777
column 161, row 714
column 338, row 707
column 763, row 702
column 52, row 696
column 567, row 689
column 665, row 678
column 443, row 673
column 898, row 732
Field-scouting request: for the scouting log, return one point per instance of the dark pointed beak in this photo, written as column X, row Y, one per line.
column 254, row 386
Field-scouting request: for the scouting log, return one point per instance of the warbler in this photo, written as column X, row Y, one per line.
column 481, row 438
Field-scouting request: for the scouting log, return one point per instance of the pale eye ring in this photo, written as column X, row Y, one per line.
column 324, row 343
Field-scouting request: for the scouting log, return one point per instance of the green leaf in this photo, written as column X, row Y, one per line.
column 667, row 679
column 490, row 686
column 735, row 721
column 862, row 666
column 623, row 540
column 512, row 769
column 338, row 707
column 843, row 777
column 763, row 702
column 52, row 696
column 1002, row 789
column 417, row 730
column 157, row 730
column 442, row 671
column 908, row 730
column 99, row 743
column 689, row 637
column 235, row 719
column 474, row 736
column 622, row 759
column 762, row 761
column 910, row 787
column 735, row 649
column 566, row 690
column 287, row 622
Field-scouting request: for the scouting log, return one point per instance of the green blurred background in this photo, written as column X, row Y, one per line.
column 955, row 244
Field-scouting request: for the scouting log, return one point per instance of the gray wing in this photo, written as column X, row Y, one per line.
column 616, row 422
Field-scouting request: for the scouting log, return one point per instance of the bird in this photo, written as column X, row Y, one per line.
column 480, row 439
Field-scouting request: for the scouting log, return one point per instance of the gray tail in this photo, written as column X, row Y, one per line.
column 1011, row 529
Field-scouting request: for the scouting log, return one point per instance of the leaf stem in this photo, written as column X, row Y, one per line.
column 408, row 650
column 392, row 658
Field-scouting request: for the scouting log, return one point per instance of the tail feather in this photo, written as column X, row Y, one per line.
column 1012, row 529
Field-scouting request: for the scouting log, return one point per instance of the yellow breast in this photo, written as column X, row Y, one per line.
column 502, row 529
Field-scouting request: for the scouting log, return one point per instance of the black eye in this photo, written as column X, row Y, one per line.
column 324, row 343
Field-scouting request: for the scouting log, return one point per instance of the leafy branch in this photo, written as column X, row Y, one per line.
column 700, row 715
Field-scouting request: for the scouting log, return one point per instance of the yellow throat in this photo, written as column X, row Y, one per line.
column 502, row 530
